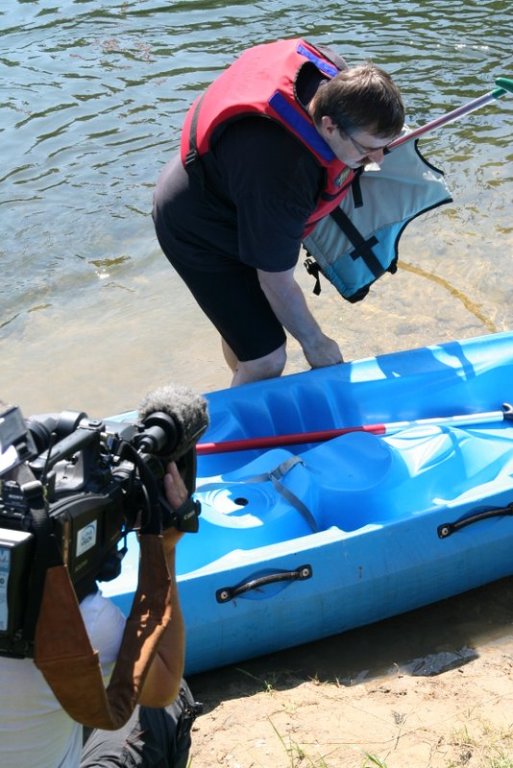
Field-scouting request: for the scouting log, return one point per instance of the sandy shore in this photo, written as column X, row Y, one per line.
column 430, row 689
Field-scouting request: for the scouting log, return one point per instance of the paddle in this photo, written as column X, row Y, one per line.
column 274, row 441
column 504, row 85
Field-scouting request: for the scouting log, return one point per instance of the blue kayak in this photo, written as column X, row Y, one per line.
column 314, row 530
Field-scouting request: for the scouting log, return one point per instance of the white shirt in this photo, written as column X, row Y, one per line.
column 35, row 732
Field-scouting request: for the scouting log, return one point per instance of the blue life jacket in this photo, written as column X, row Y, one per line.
column 358, row 242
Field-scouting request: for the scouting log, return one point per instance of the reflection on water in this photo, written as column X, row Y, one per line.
column 468, row 304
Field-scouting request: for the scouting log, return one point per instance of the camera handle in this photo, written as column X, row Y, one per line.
column 83, row 436
column 46, row 555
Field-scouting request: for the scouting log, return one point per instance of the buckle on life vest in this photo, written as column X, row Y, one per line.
column 313, row 269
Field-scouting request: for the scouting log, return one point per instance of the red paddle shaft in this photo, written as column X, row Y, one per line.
column 274, row 441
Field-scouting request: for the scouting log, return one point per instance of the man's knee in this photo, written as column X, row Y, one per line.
column 266, row 367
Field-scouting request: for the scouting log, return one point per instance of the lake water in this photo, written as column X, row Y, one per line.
column 93, row 96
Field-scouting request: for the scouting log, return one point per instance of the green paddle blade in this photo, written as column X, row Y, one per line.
column 505, row 84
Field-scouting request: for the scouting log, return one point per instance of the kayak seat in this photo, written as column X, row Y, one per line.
column 351, row 472
column 364, row 478
column 281, row 496
column 268, row 500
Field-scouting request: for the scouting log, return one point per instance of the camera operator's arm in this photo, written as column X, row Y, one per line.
column 164, row 676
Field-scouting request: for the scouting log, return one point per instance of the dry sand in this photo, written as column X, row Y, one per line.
column 429, row 689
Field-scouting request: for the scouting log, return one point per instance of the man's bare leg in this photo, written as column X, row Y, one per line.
column 265, row 367
column 229, row 356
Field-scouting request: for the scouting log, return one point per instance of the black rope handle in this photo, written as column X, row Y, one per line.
column 225, row 594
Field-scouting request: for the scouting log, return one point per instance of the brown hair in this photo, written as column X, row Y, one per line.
column 362, row 97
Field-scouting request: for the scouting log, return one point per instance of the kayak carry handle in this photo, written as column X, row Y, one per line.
column 446, row 529
column 226, row 594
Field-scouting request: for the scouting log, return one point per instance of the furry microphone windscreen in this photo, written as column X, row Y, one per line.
column 186, row 408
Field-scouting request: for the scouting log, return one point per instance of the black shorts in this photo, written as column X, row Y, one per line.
column 235, row 303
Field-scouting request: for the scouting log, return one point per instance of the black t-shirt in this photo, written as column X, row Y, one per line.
column 261, row 186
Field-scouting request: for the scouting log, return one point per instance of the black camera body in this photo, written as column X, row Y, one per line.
column 71, row 489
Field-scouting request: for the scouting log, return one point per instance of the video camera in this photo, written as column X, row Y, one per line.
column 72, row 488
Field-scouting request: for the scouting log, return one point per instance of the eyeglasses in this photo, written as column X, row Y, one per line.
column 360, row 147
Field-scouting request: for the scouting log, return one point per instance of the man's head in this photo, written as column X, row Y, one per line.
column 358, row 113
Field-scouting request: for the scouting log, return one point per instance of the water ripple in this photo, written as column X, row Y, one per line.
column 93, row 98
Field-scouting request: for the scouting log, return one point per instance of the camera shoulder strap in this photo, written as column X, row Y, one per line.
column 69, row 664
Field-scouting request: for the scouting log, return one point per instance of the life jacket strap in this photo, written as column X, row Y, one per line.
column 363, row 247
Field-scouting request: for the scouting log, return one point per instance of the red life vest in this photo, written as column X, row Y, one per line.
column 262, row 81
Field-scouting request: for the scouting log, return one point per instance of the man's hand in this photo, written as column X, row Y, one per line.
column 174, row 486
column 324, row 351
column 176, row 494
column 290, row 307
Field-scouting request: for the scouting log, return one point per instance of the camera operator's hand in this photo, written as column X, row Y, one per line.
column 176, row 494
